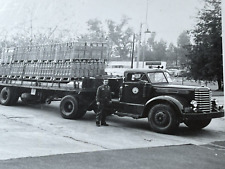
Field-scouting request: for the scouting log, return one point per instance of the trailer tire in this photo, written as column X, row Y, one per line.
column 162, row 119
column 197, row 124
column 7, row 96
column 69, row 107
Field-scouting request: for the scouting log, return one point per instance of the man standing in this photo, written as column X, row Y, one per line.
column 103, row 99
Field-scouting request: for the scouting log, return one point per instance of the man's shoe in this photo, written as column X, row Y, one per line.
column 98, row 124
column 105, row 124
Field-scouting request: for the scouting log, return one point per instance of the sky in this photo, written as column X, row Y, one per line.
column 167, row 18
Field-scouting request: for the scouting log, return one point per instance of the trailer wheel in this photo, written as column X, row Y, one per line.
column 69, row 107
column 162, row 119
column 197, row 124
column 7, row 96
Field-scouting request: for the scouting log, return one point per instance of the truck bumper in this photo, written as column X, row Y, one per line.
column 202, row 116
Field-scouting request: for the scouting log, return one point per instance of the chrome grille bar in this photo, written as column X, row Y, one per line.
column 203, row 98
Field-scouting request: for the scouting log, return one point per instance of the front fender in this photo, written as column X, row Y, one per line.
column 175, row 102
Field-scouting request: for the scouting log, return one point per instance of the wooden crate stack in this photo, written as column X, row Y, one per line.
column 57, row 62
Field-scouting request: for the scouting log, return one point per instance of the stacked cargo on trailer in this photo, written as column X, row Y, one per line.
column 54, row 62
column 51, row 72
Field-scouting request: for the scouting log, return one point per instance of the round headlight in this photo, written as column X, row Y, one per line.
column 194, row 103
column 215, row 102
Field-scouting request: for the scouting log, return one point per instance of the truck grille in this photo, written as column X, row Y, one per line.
column 203, row 98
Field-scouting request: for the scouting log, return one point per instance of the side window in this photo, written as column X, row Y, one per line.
column 136, row 77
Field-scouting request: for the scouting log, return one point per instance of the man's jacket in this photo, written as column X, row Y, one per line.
column 103, row 94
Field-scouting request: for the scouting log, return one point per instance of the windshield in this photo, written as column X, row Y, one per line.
column 159, row 77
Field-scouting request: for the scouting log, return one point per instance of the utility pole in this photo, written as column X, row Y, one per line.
column 147, row 31
column 144, row 49
column 132, row 54
column 139, row 47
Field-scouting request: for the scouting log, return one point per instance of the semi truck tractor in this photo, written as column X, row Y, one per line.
column 72, row 72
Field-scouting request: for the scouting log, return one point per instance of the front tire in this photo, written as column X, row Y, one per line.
column 197, row 124
column 162, row 119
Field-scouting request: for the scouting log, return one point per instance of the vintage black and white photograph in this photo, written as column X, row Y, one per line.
column 112, row 84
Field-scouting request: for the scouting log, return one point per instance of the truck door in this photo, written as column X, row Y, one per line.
column 133, row 88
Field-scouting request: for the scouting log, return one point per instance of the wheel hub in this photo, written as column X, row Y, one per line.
column 161, row 118
column 5, row 95
column 68, row 107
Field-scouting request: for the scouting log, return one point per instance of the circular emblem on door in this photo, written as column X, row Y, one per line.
column 135, row 90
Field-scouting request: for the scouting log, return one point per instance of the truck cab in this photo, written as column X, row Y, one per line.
column 149, row 93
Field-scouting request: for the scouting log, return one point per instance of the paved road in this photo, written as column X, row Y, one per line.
column 38, row 130
column 211, row 156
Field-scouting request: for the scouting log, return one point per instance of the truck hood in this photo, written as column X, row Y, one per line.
column 177, row 89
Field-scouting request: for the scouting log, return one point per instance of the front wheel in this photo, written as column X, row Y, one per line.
column 162, row 119
column 197, row 124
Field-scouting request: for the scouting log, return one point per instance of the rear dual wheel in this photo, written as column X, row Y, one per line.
column 69, row 108
column 8, row 96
